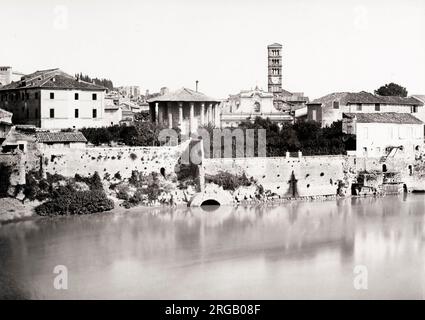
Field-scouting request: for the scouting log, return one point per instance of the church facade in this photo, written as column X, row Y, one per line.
column 277, row 104
column 249, row 104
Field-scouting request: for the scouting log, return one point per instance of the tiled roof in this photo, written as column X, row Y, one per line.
column 184, row 95
column 274, row 45
column 420, row 97
column 59, row 137
column 363, row 97
column 383, row 117
column 51, row 79
column 400, row 100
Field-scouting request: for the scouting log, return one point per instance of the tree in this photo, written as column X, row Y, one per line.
column 392, row 89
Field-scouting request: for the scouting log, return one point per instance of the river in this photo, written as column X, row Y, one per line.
column 296, row 250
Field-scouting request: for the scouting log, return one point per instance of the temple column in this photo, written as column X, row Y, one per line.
column 181, row 116
column 217, row 115
column 191, row 117
column 170, row 115
column 210, row 113
column 202, row 114
column 156, row 112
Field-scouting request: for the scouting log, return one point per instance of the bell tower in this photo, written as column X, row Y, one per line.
column 274, row 68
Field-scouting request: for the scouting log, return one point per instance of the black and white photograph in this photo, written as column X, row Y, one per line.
column 212, row 150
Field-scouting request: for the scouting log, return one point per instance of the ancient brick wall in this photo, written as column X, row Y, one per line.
column 312, row 176
column 109, row 160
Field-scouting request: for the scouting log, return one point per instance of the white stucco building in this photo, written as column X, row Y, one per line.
column 330, row 108
column 385, row 134
column 52, row 99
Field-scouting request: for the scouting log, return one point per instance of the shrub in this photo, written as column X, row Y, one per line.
column 37, row 188
column 66, row 201
column 122, row 192
column 229, row 181
column 94, row 182
column 5, row 172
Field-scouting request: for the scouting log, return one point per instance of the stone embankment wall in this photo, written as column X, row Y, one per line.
column 289, row 176
column 109, row 160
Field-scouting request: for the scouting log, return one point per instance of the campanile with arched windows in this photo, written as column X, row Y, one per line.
column 274, row 68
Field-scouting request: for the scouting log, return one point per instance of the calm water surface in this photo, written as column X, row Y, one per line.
column 295, row 250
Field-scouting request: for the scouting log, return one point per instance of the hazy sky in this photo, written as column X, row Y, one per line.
column 328, row 45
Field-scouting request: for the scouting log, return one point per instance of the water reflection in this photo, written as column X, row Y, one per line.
column 292, row 250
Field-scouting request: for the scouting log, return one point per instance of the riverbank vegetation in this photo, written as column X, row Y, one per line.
column 230, row 181
column 145, row 189
column 67, row 196
column 142, row 133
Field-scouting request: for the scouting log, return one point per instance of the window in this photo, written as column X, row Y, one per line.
column 52, row 95
column 76, row 96
column 36, row 113
column 52, row 113
column 257, row 107
column 414, row 109
column 314, row 115
column 377, row 107
column 94, row 96
column 359, row 107
column 94, row 113
column 36, row 95
column 335, row 104
column 76, row 113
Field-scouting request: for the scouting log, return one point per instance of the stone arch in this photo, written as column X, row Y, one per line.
column 212, row 194
column 210, row 202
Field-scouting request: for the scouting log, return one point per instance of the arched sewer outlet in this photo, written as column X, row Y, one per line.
column 212, row 196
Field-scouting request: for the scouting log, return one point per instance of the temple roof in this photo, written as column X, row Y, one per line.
column 183, row 95
column 274, row 45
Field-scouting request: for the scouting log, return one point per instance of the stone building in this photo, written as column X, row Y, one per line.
column 330, row 108
column 186, row 109
column 249, row 104
column 385, row 134
column 421, row 112
column 52, row 99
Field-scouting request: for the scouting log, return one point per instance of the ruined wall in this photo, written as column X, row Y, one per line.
column 412, row 171
column 315, row 176
column 109, row 160
column 16, row 161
